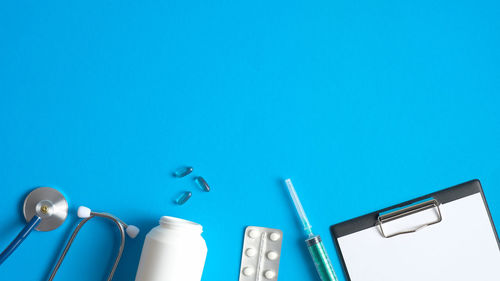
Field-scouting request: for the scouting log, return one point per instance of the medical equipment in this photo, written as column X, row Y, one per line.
column 44, row 209
column 261, row 254
column 86, row 214
column 202, row 183
column 182, row 172
column 183, row 198
column 314, row 243
column 173, row 251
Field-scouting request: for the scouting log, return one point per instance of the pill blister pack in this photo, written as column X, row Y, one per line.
column 260, row 259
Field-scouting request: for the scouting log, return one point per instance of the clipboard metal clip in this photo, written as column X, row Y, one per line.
column 406, row 211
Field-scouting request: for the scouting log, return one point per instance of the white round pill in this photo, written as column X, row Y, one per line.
column 247, row 271
column 272, row 255
column 250, row 252
column 269, row 274
column 274, row 236
column 253, row 233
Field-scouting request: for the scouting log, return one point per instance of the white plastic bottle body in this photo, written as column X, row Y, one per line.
column 173, row 251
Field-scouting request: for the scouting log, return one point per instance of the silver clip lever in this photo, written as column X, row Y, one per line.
column 406, row 211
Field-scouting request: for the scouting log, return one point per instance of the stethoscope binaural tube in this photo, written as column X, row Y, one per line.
column 87, row 214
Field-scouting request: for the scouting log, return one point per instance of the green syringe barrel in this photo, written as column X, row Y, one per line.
column 321, row 259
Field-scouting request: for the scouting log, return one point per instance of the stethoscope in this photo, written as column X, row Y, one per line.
column 46, row 209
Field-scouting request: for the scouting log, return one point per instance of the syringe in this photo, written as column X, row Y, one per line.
column 314, row 243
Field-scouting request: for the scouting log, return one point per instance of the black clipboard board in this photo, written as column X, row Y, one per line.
column 430, row 201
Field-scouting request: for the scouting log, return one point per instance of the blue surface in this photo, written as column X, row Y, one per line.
column 363, row 104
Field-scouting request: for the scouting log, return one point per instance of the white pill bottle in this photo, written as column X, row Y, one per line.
column 173, row 251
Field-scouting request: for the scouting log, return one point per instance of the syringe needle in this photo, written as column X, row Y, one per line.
column 298, row 207
column 314, row 244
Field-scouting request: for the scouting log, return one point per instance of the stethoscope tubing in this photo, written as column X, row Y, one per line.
column 121, row 226
column 30, row 226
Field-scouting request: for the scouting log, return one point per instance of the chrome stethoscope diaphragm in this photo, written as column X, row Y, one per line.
column 44, row 209
column 48, row 204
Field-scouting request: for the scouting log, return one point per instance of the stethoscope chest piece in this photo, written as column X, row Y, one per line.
column 44, row 209
column 47, row 203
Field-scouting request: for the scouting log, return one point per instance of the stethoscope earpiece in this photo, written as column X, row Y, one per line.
column 83, row 212
column 132, row 231
column 87, row 214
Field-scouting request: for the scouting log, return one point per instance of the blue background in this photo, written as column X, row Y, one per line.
column 364, row 104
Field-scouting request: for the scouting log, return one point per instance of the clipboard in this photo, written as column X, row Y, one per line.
column 446, row 235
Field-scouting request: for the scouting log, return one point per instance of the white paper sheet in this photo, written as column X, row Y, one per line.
column 462, row 247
